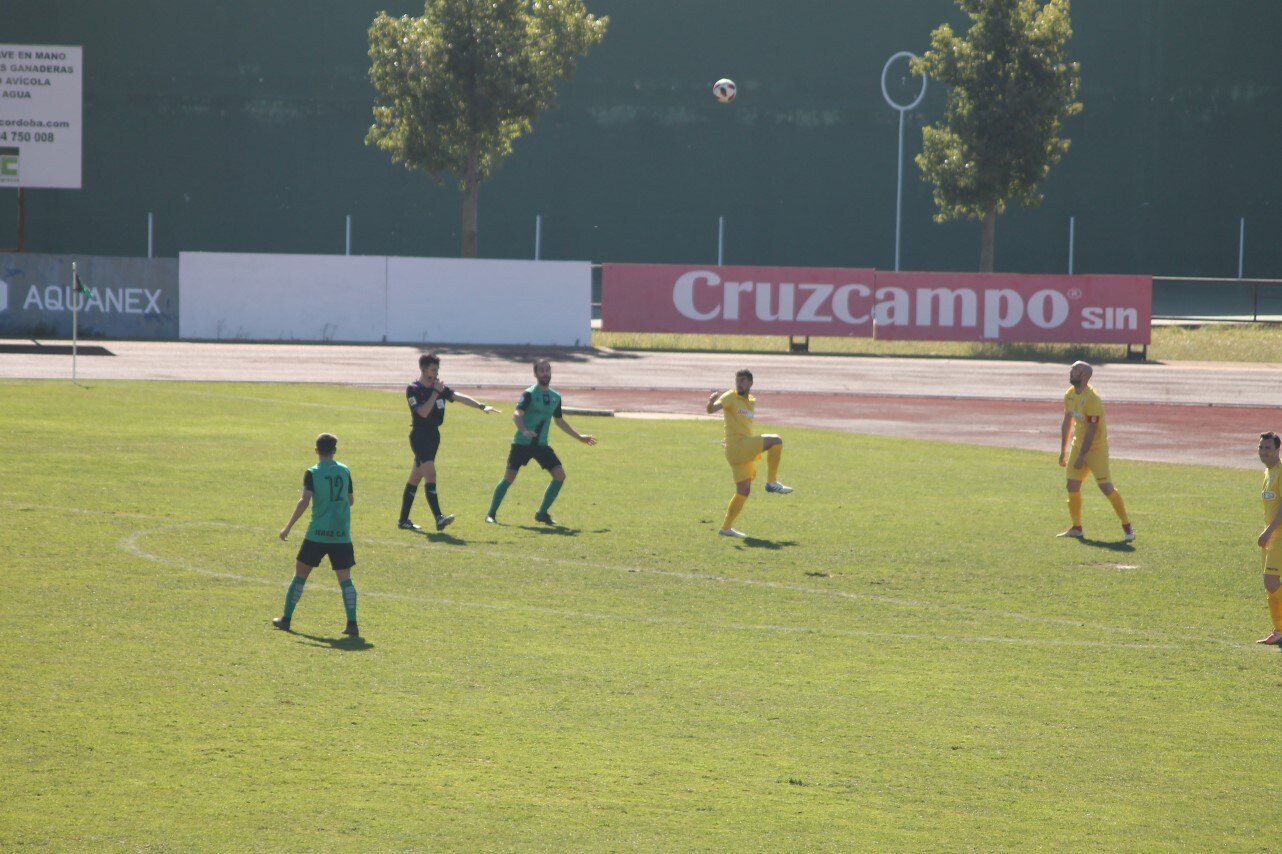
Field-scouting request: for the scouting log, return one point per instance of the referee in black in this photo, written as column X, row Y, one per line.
column 427, row 397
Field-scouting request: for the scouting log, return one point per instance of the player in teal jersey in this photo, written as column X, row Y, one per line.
column 538, row 407
column 329, row 485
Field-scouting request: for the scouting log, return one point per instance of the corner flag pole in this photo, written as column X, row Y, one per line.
column 75, row 312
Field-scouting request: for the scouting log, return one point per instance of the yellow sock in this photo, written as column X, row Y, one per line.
column 1075, row 508
column 1275, row 608
column 1118, row 507
column 772, row 463
column 732, row 512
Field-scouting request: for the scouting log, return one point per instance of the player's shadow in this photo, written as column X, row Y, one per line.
column 1107, row 545
column 343, row 644
column 552, row 530
column 770, row 545
column 440, row 537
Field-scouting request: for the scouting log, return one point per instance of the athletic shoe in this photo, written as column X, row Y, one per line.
column 778, row 488
column 1274, row 638
column 443, row 522
column 731, row 532
column 493, row 520
column 1129, row 530
column 545, row 518
column 1074, row 532
column 352, row 629
column 281, row 623
column 407, row 525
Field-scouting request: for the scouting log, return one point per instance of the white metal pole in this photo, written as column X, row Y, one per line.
column 349, row 234
column 721, row 240
column 151, row 235
column 1241, row 245
column 1072, row 235
column 899, row 189
column 75, row 312
column 538, row 236
column 902, row 108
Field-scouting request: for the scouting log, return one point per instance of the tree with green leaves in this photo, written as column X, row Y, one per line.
column 459, row 85
column 1011, row 89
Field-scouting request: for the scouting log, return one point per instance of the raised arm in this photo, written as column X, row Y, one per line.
column 713, row 405
column 475, row 404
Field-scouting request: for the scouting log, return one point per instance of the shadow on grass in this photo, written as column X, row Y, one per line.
column 770, row 545
column 1107, row 545
column 439, row 537
column 559, row 530
column 343, row 644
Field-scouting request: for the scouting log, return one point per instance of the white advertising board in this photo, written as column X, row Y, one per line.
column 475, row 301
column 250, row 297
column 41, row 116
column 374, row 299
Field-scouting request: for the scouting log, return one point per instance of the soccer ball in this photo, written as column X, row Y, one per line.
column 724, row 90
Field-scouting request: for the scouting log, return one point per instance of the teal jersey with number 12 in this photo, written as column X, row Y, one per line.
column 330, row 483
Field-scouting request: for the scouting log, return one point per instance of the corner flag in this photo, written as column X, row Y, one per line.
column 81, row 286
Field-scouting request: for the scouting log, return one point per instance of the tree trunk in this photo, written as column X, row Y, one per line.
column 471, row 202
column 990, row 235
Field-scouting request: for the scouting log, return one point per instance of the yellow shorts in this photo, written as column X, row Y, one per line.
column 742, row 455
column 1096, row 463
column 1272, row 556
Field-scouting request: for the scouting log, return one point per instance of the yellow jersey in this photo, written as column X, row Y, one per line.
column 1086, row 408
column 739, row 412
column 1271, row 492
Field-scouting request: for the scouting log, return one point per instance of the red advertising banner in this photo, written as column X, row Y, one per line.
column 833, row 301
column 737, row 300
column 1014, row 308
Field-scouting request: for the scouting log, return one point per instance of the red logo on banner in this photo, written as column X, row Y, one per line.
column 893, row 306
column 737, row 300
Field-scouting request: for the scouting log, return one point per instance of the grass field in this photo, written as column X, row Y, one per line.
column 903, row 658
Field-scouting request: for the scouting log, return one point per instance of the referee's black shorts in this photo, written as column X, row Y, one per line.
column 522, row 454
column 425, row 444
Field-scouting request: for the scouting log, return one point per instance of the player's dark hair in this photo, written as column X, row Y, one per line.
column 428, row 359
column 1272, row 437
column 327, row 444
column 744, row 373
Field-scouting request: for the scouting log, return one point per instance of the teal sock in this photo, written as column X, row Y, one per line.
column 549, row 495
column 349, row 599
column 499, row 492
column 292, row 596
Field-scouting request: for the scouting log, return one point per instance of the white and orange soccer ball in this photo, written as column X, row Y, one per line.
column 724, row 90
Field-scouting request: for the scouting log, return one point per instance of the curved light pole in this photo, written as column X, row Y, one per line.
column 902, row 108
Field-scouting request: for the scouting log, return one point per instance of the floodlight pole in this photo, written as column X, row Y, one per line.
column 902, row 108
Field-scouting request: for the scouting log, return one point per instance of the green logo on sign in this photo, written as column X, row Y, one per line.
column 8, row 163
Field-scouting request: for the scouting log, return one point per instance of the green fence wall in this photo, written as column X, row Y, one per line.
column 240, row 125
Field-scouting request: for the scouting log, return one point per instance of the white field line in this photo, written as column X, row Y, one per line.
column 131, row 544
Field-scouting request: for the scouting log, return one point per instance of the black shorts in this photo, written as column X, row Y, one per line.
column 522, row 454
column 341, row 555
column 425, row 444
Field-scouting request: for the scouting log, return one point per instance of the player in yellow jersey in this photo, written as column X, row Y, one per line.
column 1268, row 541
column 1084, row 422
column 743, row 449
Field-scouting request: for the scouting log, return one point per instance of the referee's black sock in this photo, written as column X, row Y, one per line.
column 407, row 500
column 433, row 501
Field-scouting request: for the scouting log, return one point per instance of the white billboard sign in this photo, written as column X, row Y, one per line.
column 41, row 94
